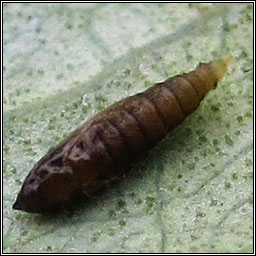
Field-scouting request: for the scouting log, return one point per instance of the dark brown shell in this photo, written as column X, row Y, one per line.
column 95, row 153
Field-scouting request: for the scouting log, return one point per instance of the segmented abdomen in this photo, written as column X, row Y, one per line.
column 138, row 122
column 95, row 152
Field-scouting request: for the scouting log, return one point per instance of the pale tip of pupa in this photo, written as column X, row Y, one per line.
column 220, row 66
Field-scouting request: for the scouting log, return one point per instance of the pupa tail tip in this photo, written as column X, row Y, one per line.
column 224, row 62
column 227, row 60
column 220, row 66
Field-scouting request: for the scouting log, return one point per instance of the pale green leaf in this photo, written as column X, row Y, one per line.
column 65, row 62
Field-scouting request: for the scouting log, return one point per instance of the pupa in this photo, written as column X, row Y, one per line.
column 94, row 154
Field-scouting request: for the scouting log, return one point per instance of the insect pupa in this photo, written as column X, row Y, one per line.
column 94, row 153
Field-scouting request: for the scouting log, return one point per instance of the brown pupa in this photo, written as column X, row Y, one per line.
column 94, row 154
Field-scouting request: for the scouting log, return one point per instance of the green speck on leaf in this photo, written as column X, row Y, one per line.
column 70, row 66
column 13, row 170
column 237, row 133
column 13, row 118
column 187, row 45
column 51, row 124
column 112, row 213
column 49, row 248
column 18, row 182
column 179, row 189
column 240, row 119
column 215, row 107
column 120, row 204
column 191, row 166
column 248, row 175
column 127, row 85
column 227, row 185
column 26, row 141
column 244, row 54
column 148, row 83
column 228, row 27
column 75, row 105
column 202, row 139
column 84, row 109
column 248, row 162
column 59, row 76
column 228, row 140
column 95, row 236
column 196, row 159
column 150, row 200
column 132, row 194
column 122, row 222
column 192, row 5
column 29, row 73
column 111, row 232
column 248, row 13
column 69, row 26
column 100, row 98
column 234, row 176
column 40, row 72
column 249, row 114
column 38, row 29
column 199, row 132
column 228, row 125
column 179, row 176
column 42, row 41
column 127, row 72
column 215, row 142
column 138, row 201
column 11, row 131
column 189, row 57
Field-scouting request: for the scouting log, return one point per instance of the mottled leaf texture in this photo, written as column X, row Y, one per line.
column 65, row 62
